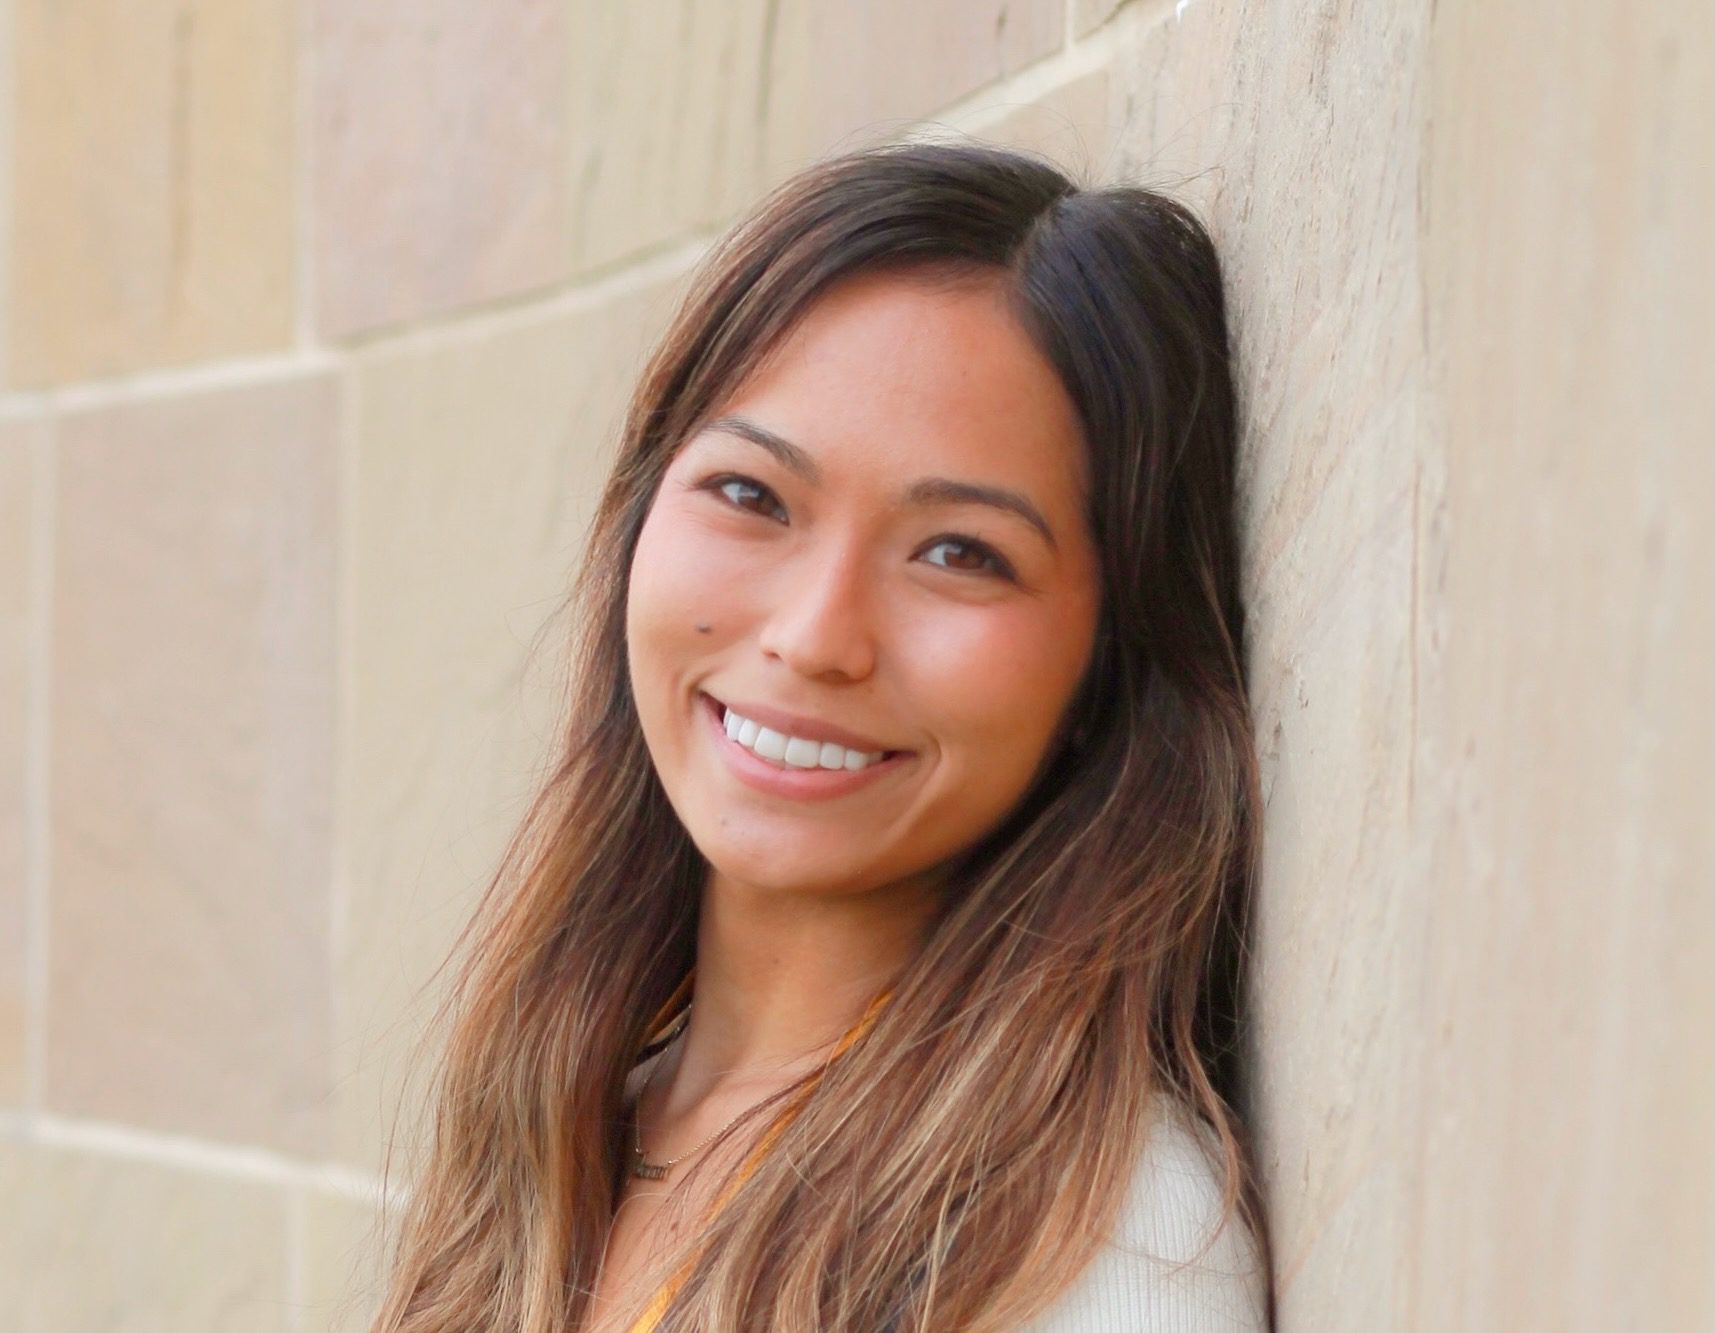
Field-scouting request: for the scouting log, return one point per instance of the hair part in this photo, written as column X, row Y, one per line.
column 1099, row 928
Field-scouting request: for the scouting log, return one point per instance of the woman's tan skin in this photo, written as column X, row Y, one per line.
column 836, row 598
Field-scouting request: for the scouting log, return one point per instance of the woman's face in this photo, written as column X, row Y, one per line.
column 875, row 556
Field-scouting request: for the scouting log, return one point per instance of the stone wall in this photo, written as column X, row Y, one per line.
column 318, row 319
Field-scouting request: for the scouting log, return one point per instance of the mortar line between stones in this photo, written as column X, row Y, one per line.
column 994, row 101
column 1127, row 14
column 179, row 381
column 224, row 1161
column 590, row 290
column 603, row 284
column 347, row 509
column 39, row 621
column 586, row 291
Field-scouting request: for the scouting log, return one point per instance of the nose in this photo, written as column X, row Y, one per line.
column 820, row 624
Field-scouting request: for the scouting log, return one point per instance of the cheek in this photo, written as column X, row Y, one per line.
column 998, row 679
column 679, row 579
column 661, row 616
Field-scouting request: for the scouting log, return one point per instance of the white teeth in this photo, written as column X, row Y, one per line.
column 801, row 753
column 794, row 751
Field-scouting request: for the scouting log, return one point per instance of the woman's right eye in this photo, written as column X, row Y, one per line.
column 743, row 493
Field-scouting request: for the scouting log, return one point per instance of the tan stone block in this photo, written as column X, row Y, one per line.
column 1568, row 263
column 478, row 464
column 852, row 72
column 8, row 106
column 1484, row 944
column 1069, row 125
column 91, row 1243
column 153, row 184
column 1340, row 915
column 437, row 155
column 1295, row 143
column 343, row 1277
column 192, row 762
column 20, row 485
column 1088, row 15
column 664, row 117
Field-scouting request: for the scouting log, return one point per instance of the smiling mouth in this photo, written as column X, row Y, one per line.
column 783, row 750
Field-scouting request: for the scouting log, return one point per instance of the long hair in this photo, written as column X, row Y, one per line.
column 957, row 1167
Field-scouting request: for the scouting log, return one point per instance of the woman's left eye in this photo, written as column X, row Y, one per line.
column 740, row 491
column 970, row 557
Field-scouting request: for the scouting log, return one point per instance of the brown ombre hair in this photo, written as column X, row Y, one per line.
column 957, row 1167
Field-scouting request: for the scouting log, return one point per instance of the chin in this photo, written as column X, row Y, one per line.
column 809, row 874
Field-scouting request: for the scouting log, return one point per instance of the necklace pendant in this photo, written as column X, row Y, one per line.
column 646, row 1169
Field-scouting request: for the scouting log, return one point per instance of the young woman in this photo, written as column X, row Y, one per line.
column 869, row 960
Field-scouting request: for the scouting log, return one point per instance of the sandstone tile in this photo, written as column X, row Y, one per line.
column 152, row 183
column 1567, row 265
column 1473, row 623
column 1340, row 915
column 7, row 111
column 191, row 764
column 663, row 134
column 1088, row 15
column 477, row 465
column 342, row 1269
column 437, row 156
column 1069, row 125
column 19, row 484
column 90, row 1244
column 1293, row 136
column 852, row 72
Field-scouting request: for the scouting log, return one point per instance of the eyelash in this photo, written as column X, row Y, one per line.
column 999, row 566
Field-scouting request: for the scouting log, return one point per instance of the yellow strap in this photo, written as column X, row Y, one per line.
column 651, row 1317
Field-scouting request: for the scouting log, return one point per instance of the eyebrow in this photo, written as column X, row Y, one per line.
column 926, row 491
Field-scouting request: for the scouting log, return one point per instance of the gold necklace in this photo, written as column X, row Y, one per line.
column 640, row 1165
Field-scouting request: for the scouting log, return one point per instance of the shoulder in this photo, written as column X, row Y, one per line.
column 1160, row 1269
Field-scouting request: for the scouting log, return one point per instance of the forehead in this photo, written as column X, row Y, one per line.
column 906, row 374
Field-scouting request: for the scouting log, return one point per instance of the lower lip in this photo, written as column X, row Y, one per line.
column 804, row 784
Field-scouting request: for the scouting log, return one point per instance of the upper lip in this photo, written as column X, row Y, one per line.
column 809, row 728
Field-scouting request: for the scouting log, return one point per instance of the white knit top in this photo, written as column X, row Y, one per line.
column 1173, row 1206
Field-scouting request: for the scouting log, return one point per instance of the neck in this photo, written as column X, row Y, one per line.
column 782, row 977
